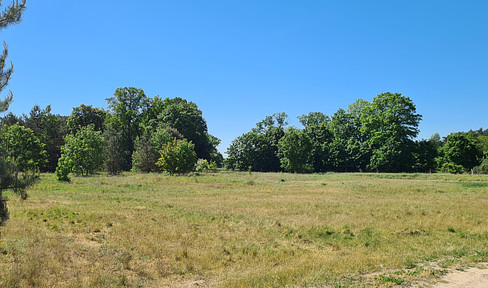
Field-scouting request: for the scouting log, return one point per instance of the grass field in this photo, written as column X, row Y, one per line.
column 234, row 229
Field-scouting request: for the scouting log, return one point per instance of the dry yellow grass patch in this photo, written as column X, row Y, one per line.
column 239, row 230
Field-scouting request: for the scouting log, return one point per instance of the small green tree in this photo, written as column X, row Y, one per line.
column 82, row 153
column 22, row 155
column 23, row 148
column 177, row 156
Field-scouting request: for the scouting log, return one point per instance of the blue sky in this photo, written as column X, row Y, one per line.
column 242, row 60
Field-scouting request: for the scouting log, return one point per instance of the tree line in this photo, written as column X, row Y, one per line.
column 146, row 134
column 376, row 136
column 130, row 135
column 153, row 134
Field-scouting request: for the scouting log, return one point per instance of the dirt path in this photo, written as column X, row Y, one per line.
column 469, row 278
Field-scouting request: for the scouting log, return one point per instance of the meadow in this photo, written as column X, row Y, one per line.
column 236, row 229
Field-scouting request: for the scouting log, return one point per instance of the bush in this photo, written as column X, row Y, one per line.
column 452, row 168
column 148, row 146
column 177, row 156
column 64, row 168
column 204, row 165
column 482, row 168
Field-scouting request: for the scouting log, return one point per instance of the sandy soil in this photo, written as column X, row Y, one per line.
column 469, row 278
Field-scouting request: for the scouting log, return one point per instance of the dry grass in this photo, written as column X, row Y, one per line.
column 240, row 230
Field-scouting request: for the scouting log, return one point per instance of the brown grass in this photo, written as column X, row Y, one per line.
column 239, row 230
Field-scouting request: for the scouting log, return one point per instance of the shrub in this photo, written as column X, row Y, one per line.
column 177, row 156
column 148, row 147
column 482, row 168
column 204, row 165
column 450, row 167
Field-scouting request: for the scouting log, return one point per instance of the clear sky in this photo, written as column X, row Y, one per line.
column 242, row 60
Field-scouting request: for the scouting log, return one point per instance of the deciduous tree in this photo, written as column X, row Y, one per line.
column 82, row 153
column 127, row 108
column 85, row 115
column 177, row 156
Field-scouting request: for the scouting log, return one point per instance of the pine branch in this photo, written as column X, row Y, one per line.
column 12, row 14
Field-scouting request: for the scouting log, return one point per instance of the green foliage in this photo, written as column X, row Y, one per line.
column 12, row 178
column 424, row 154
column 82, row 153
column 390, row 123
column 23, row 148
column 177, row 156
column 482, row 168
column 50, row 129
column 128, row 106
column 148, row 147
column 376, row 136
column 65, row 165
column 450, row 167
column 320, row 143
column 460, row 150
column 187, row 119
column 85, row 115
column 348, row 148
column 258, row 148
column 203, row 165
column 296, row 150
column 313, row 119
column 112, row 149
column 9, row 172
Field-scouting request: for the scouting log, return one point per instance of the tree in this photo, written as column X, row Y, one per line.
column 424, row 155
column 258, row 149
column 185, row 117
column 82, row 153
column 50, row 129
column 316, row 128
column 11, row 119
column 23, row 148
column 348, row 150
column 128, row 106
column 11, row 15
column 85, row 115
column 149, row 145
column 390, row 123
column 313, row 119
column 459, row 149
column 177, row 156
column 114, row 158
column 295, row 147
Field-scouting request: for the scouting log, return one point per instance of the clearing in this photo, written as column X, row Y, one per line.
column 233, row 229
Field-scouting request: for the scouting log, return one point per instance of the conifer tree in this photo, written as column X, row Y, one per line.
column 12, row 14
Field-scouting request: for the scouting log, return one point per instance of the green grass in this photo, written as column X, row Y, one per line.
column 238, row 230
